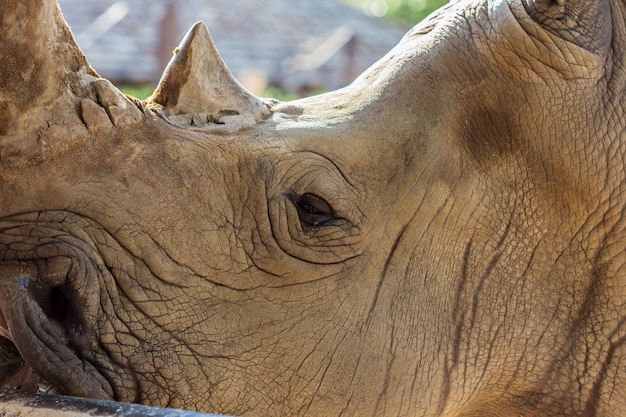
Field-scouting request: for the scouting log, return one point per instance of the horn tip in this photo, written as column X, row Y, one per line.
column 198, row 82
column 197, row 34
column 199, row 26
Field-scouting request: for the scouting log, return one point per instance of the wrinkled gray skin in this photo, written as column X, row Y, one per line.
column 444, row 237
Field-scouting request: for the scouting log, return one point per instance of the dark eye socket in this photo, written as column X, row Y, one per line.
column 313, row 210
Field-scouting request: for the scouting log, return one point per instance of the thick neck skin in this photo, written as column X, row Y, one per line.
column 533, row 178
column 474, row 264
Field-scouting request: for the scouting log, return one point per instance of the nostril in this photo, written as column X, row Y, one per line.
column 58, row 305
column 52, row 301
column 50, row 313
column 50, row 290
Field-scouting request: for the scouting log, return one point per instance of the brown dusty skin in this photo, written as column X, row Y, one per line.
column 444, row 237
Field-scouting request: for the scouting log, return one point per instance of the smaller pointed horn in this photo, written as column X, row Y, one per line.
column 198, row 90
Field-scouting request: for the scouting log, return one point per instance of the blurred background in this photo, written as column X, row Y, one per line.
column 276, row 48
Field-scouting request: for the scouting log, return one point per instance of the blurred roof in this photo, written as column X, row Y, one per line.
column 295, row 44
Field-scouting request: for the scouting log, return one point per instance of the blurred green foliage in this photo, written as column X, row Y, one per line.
column 141, row 91
column 407, row 12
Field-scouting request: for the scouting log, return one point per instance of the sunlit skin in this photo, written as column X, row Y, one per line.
column 443, row 237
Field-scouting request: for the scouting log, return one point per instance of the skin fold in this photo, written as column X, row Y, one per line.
column 443, row 237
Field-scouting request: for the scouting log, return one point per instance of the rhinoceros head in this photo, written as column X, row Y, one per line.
column 443, row 237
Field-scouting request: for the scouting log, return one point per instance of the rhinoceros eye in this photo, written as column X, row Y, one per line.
column 313, row 210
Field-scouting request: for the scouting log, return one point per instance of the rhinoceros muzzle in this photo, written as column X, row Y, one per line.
column 19, row 301
column 45, row 299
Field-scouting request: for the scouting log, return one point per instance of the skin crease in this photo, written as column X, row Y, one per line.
column 475, row 266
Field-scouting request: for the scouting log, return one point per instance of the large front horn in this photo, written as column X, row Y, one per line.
column 198, row 91
column 50, row 97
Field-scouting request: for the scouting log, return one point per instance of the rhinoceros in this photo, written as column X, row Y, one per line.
column 446, row 236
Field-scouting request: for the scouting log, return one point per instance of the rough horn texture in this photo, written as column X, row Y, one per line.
column 45, row 77
column 198, row 90
column 38, row 72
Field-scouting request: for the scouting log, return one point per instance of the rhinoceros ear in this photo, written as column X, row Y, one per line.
column 198, row 91
column 586, row 23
